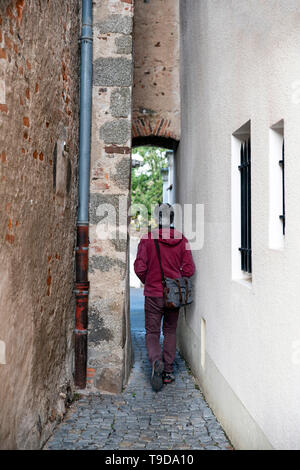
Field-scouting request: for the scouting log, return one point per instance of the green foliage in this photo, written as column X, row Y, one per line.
column 146, row 179
column 76, row 396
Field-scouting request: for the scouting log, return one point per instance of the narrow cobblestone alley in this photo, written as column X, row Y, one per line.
column 175, row 418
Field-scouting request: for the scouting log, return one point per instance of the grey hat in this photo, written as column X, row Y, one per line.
column 164, row 215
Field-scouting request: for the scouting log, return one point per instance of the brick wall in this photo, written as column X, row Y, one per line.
column 38, row 193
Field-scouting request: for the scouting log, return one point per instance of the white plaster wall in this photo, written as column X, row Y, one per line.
column 171, row 178
column 133, row 279
column 239, row 61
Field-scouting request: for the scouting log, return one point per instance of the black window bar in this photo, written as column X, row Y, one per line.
column 245, row 171
column 282, row 216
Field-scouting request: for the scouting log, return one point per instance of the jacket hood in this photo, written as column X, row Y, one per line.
column 168, row 236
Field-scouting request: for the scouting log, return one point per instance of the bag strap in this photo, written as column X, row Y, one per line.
column 159, row 259
column 186, row 289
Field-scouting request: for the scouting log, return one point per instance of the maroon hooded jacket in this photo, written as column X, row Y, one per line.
column 176, row 259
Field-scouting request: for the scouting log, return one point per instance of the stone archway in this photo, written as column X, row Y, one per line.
column 156, row 133
column 152, row 130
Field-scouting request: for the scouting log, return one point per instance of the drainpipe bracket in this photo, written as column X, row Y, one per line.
column 80, row 332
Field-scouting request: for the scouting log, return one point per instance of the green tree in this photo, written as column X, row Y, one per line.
column 146, row 179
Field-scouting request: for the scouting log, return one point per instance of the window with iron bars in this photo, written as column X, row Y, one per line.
column 245, row 175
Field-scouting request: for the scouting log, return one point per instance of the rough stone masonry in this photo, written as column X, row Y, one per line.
column 145, row 103
column 39, row 65
column 109, row 355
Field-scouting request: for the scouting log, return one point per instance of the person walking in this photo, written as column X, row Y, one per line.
column 177, row 261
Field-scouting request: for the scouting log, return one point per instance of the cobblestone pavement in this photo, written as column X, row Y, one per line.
column 177, row 417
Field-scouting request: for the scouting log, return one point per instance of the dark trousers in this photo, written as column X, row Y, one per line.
column 154, row 311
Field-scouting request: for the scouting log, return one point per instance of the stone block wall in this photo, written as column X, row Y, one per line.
column 135, row 94
column 39, row 90
column 109, row 355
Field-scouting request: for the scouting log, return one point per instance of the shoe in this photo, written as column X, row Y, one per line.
column 168, row 377
column 156, row 376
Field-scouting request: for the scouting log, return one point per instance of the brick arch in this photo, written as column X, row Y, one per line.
column 156, row 131
column 155, row 141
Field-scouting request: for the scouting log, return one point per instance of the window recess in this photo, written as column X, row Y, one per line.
column 277, row 216
column 241, row 204
column 282, row 216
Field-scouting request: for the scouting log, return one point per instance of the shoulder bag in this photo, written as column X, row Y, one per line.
column 176, row 292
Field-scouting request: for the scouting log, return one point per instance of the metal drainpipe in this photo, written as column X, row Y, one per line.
column 82, row 284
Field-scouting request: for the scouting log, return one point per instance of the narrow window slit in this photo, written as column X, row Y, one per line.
column 245, row 175
column 282, row 216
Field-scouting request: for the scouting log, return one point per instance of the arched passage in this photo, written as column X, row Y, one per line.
column 155, row 141
column 152, row 182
